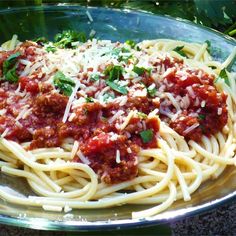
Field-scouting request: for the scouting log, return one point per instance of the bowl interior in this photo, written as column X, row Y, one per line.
column 116, row 25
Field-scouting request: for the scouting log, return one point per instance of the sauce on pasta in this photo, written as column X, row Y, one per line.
column 112, row 102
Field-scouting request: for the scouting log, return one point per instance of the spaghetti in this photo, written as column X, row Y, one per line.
column 103, row 124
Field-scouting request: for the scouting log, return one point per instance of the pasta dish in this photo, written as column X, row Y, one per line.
column 93, row 123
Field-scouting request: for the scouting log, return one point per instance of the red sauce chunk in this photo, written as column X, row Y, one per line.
column 203, row 108
column 109, row 117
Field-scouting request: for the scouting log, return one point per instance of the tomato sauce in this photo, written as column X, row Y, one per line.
column 100, row 139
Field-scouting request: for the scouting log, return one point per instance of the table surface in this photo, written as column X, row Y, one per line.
column 220, row 221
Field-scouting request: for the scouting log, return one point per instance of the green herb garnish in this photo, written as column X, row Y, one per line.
column 208, row 45
column 63, row 83
column 118, row 88
column 180, row 51
column 201, row 117
column 117, row 52
column 141, row 70
column 113, row 72
column 51, row 49
column 213, row 67
column 146, row 135
column 9, row 68
column 223, row 75
column 131, row 43
column 67, row 37
column 141, row 115
column 152, row 91
column 89, row 99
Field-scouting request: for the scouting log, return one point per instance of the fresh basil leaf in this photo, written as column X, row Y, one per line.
column 66, row 89
column 63, row 83
column 11, row 75
column 141, row 70
column 9, row 68
column 223, row 75
column 67, row 37
column 146, row 135
column 117, row 87
column 51, row 49
column 179, row 50
column 113, row 72
column 10, row 62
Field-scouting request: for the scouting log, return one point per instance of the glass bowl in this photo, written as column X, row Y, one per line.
column 116, row 25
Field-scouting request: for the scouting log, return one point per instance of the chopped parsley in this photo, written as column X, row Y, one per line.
column 118, row 88
column 223, row 76
column 180, row 51
column 67, row 37
column 9, row 68
column 51, row 49
column 63, row 83
column 146, row 135
column 113, row 72
column 141, row 70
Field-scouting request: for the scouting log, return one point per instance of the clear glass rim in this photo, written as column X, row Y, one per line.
column 163, row 218
column 69, row 6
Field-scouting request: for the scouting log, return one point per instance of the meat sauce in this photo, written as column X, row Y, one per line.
column 98, row 138
column 207, row 109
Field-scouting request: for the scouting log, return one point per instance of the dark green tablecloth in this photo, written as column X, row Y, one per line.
column 221, row 221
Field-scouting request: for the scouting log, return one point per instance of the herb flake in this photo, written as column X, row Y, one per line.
column 63, row 83
column 152, row 91
column 89, row 99
column 146, row 135
column 118, row 88
column 141, row 70
column 9, row 68
column 67, row 37
column 51, row 49
column 113, row 72
column 179, row 50
column 223, row 76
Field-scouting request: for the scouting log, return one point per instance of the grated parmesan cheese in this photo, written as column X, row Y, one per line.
column 191, row 128
column 117, row 156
